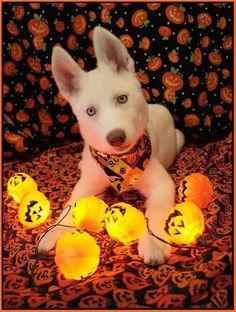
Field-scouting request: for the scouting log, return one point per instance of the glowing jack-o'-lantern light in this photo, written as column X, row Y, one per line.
column 184, row 223
column 34, row 209
column 196, row 188
column 89, row 214
column 125, row 223
column 77, row 255
column 20, row 184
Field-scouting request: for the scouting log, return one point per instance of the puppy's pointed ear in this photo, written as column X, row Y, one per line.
column 66, row 72
column 110, row 50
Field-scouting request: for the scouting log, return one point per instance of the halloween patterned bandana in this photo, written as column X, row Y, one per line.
column 124, row 170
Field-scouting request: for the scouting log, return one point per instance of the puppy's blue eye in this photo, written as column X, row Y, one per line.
column 122, row 98
column 91, row 111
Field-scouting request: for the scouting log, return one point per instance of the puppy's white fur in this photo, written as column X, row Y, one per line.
column 99, row 88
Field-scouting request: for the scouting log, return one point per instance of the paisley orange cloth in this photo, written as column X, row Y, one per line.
column 124, row 170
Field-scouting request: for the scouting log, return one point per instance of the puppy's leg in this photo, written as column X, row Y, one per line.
column 179, row 140
column 88, row 185
column 159, row 189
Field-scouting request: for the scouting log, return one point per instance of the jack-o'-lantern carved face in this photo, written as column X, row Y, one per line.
column 20, row 184
column 196, row 188
column 184, row 223
column 34, row 209
column 125, row 223
column 175, row 224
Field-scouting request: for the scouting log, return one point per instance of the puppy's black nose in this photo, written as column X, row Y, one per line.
column 116, row 137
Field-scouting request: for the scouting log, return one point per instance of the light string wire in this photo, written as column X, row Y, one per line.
column 200, row 240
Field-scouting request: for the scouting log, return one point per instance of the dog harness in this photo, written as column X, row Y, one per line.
column 123, row 170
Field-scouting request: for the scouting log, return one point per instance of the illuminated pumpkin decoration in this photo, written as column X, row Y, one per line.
column 77, row 255
column 125, row 223
column 184, row 223
column 196, row 188
column 89, row 214
column 20, row 184
column 34, row 209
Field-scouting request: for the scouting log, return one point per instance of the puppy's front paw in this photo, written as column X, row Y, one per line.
column 152, row 250
column 48, row 239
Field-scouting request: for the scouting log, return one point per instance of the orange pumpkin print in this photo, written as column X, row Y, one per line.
column 80, row 61
column 173, row 57
column 171, row 301
column 226, row 94
column 59, row 26
column 22, row 116
column 38, row 42
column 196, row 57
column 9, row 68
column 145, row 43
column 215, row 58
column 155, row 92
column 227, row 43
column 92, row 15
column 26, row 43
column 108, row 6
column 172, row 80
column 121, row 22
column 16, row 52
column 222, row 23
column 183, row 36
column 124, row 297
column 175, row 14
column 169, row 95
column 38, row 27
column 35, row 5
column 106, row 16
column 19, row 12
column 139, row 18
column 127, row 40
column 211, row 81
column 41, row 99
column 34, row 64
column 154, row 63
column 225, row 73
column 207, row 121
column 75, row 128
column 146, row 94
column 191, row 120
column 92, row 301
column 194, row 81
column 6, row 89
column 45, row 118
column 30, row 103
column 204, row 20
column 153, row 6
column 72, row 42
column 79, row 24
column 202, row 98
column 187, row 102
column 142, row 77
column 63, row 118
column 44, row 83
column 12, row 29
column 218, row 109
column 19, row 87
column 164, row 31
column 205, row 41
column 104, row 285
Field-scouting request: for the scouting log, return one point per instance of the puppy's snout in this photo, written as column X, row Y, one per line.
column 116, row 137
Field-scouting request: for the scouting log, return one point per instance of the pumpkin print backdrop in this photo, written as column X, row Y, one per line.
column 183, row 55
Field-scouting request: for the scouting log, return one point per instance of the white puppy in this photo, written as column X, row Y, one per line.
column 113, row 115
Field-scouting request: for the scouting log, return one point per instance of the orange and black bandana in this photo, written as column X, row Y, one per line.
column 124, row 170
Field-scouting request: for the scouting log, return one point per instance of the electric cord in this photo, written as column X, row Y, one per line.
column 200, row 241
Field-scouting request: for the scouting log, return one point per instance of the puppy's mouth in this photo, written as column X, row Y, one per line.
column 124, row 148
